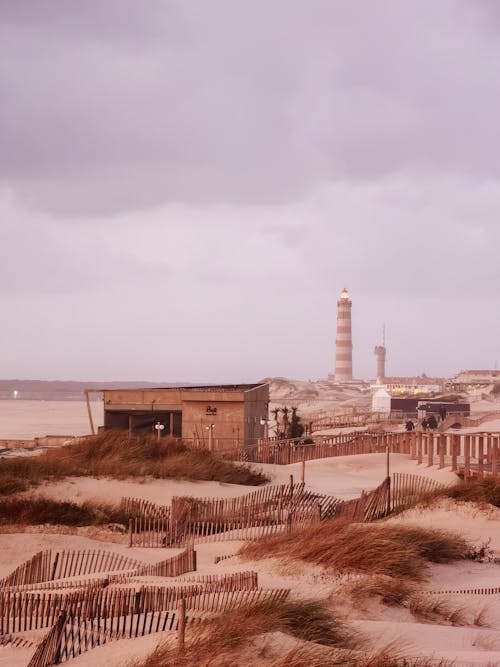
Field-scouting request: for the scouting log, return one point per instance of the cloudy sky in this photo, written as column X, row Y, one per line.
column 187, row 185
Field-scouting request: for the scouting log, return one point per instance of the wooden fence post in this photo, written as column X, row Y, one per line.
column 181, row 623
column 413, row 440
column 130, row 532
column 480, row 456
column 442, row 448
column 388, row 508
column 455, row 444
column 430, row 450
column 494, row 441
column 466, row 457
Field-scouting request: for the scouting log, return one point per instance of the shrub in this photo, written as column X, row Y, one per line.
column 11, row 483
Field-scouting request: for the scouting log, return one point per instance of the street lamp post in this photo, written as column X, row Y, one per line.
column 265, row 423
column 210, row 429
column 159, row 428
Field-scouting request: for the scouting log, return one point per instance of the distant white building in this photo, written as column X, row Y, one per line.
column 381, row 400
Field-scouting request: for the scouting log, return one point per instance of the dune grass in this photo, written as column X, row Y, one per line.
column 114, row 454
column 485, row 490
column 228, row 640
column 388, row 590
column 37, row 510
column 220, row 640
column 440, row 610
column 391, row 656
column 384, row 549
column 425, row 608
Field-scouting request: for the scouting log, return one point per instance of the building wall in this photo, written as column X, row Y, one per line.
column 227, row 432
column 256, row 410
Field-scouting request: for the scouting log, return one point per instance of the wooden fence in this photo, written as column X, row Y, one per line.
column 141, row 507
column 470, row 454
column 73, row 584
column 262, row 513
column 37, row 569
column 21, row 612
column 189, row 519
column 101, row 616
column 50, row 565
column 467, row 591
column 172, row 567
column 284, row 452
column 348, row 419
column 15, row 642
column 71, row 636
column 238, row 580
column 285, row 508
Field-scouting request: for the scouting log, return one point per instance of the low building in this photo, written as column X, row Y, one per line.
column 416, row 407
column 413, row 385
column 215, row 417
column 472, row 379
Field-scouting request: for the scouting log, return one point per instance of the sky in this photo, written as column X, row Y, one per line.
column 186, row 187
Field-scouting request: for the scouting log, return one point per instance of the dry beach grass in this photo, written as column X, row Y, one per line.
column 222, row 640
column 382, row 549
column 115, row 454
column 35, row 510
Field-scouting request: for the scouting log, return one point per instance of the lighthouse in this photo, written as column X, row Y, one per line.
column 343, row 342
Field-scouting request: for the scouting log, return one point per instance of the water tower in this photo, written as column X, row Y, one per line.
column 380, row 352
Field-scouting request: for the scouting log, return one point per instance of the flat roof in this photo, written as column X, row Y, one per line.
column 204, row 387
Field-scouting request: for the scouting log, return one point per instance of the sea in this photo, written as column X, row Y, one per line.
column 27, row 419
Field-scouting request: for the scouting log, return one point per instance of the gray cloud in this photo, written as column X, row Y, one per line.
column 113, row 106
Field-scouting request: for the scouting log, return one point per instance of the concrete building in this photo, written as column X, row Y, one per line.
column 215, row 417
column 343, row 342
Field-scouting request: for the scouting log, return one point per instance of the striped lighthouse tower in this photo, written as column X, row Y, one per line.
column 343, row 342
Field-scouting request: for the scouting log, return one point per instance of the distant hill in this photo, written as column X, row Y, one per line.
column 59, row 390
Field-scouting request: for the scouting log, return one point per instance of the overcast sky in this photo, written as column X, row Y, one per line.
column 187, row 185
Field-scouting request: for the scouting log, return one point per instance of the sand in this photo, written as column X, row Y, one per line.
column 344, row 477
